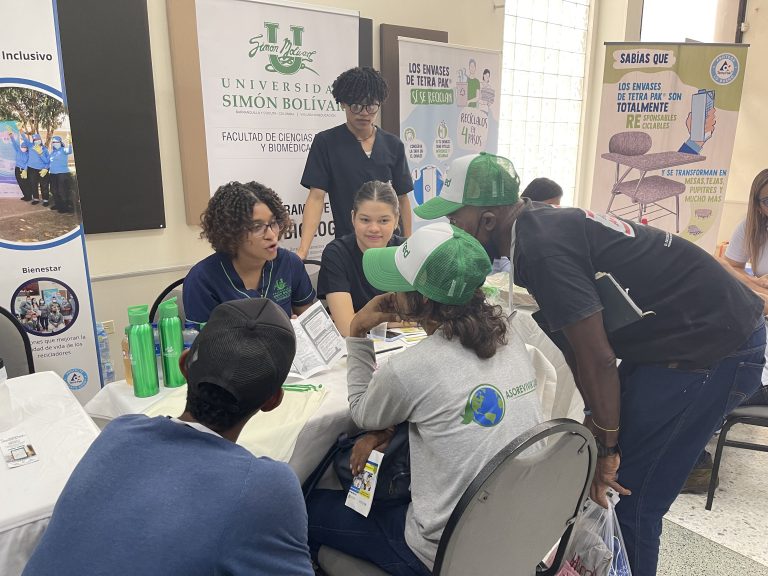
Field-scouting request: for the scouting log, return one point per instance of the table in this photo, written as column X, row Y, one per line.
column 317, row 435
column 332, row 417
column 60, row 431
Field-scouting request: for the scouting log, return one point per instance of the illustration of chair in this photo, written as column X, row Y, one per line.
column 630, row 149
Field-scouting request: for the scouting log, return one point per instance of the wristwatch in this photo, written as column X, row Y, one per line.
column 603, row 450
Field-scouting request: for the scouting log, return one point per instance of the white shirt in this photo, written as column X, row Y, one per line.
column 737, row 251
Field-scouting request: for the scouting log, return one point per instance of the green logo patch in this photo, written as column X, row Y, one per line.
column 282, row 290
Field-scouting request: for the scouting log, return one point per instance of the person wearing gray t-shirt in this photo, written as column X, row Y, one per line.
column 466, row 391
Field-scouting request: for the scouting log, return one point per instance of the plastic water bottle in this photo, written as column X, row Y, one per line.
column 108, row 370
column 190, row 333
column 125, row 348
column 142, row 347
column 171, row 343
column 105, row 357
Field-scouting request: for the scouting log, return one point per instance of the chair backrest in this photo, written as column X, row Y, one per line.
column 313, row 270
column 630, row 143
column 15, row 348
column 520, row 503
column 173, row 289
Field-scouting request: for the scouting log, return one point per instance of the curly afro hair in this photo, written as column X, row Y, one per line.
column 361, row 85
column 228, row 218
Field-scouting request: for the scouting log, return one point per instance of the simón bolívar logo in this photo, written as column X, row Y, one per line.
column 286, row 56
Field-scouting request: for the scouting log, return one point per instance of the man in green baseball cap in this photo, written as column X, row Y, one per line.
column 704, row 325
column 466, row 391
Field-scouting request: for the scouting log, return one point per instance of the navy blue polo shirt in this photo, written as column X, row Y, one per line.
column 337, row 164
column 214, row 280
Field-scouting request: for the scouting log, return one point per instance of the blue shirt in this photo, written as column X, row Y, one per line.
column 38, row 161
column 214, row 280
column 21, row 157
column 153, row 496
column 59, row 160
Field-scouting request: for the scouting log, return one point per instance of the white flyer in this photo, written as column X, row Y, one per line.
column 360, row 495
column 17, row 451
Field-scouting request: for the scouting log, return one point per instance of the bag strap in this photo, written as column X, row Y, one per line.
column 344, row 441
column 317, row 473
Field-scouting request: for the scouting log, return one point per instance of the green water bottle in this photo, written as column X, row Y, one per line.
column 171, row 343
column 142, row 346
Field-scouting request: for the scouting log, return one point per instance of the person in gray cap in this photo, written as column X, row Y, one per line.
column 176, row 495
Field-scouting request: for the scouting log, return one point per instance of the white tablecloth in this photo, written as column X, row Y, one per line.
column 314, row 439
column 332, row 417
column 60, row 432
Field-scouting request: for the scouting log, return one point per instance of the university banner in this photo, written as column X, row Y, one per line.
column 45, row 280
column 667, row 125
column 266, row 72
column 449, row 107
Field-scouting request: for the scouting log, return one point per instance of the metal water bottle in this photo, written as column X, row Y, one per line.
column 171, row 343
column 142, row 346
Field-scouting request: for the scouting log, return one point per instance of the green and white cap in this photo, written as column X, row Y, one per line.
column 475, row 180
column 440, row 261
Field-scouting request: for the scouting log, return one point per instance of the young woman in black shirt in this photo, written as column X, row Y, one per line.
column 375, row 213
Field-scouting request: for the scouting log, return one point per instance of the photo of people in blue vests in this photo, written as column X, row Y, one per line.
column 38, row 188
column 45, row 306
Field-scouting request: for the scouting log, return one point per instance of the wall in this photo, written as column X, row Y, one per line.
column 749, row 151
column 133, row 267
column 610, row 21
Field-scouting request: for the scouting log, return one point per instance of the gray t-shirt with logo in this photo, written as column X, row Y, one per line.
column 462, row 410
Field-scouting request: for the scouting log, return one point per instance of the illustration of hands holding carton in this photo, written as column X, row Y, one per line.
column 700, row 122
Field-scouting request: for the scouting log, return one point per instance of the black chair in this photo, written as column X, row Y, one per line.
column 313, row 270
column 752, row 415
column 169, row 292
column 15, row 348
column 514, row 510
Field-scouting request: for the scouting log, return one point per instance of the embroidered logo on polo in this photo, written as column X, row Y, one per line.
column 485, row 406
column 282, row 290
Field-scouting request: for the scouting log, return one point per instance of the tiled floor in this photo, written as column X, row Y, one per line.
column 685, row 553
column 739, row 517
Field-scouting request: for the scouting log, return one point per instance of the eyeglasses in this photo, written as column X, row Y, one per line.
column 763, row 201
column 259, row 229
column 369, row 108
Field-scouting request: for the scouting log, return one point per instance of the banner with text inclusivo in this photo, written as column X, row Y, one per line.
column 667, row 126
column 45, row 280
column 266, row 72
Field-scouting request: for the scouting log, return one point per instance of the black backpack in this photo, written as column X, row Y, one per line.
column 393, row 485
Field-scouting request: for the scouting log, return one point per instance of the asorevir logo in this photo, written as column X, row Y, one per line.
column 76, row 378
column 286, row 57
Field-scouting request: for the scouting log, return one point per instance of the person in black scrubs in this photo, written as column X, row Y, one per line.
column 341, row 280
column 345, row 157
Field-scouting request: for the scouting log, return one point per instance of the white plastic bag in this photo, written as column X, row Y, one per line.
column 596, row 546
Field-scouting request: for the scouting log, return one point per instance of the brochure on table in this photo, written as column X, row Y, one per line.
column 318, row 343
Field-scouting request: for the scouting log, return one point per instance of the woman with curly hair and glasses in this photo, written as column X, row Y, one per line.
column 343, row 158
column 243, row 223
